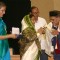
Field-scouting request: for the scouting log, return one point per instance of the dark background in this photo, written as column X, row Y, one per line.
column 16, row 10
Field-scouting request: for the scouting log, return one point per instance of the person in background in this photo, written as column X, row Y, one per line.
column 4, row 46
column 55, row 31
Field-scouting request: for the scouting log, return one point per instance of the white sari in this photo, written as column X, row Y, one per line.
column 32, row 52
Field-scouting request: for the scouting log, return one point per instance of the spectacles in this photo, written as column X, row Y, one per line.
column 35, row 12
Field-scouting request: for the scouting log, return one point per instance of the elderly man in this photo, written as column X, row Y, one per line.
column 39, row 27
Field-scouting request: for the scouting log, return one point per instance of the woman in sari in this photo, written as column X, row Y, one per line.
column 29, row 44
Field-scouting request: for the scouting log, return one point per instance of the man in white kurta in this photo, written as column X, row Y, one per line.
column 40, row 23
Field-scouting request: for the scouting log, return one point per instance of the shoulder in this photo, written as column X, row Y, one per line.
column 41, row 19
column 50, row 23
column 26, row 16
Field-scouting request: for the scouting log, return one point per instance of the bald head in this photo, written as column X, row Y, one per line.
column 35, row 11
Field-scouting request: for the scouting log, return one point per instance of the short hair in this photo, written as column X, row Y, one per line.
column 2, row 4
column 55, row 13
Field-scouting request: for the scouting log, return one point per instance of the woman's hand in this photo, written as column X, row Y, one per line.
column 13, row 36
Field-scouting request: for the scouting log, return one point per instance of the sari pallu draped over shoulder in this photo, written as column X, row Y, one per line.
column 29, row 44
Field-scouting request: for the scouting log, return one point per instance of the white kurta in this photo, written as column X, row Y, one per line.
column 45, row 41
column 41, row 22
